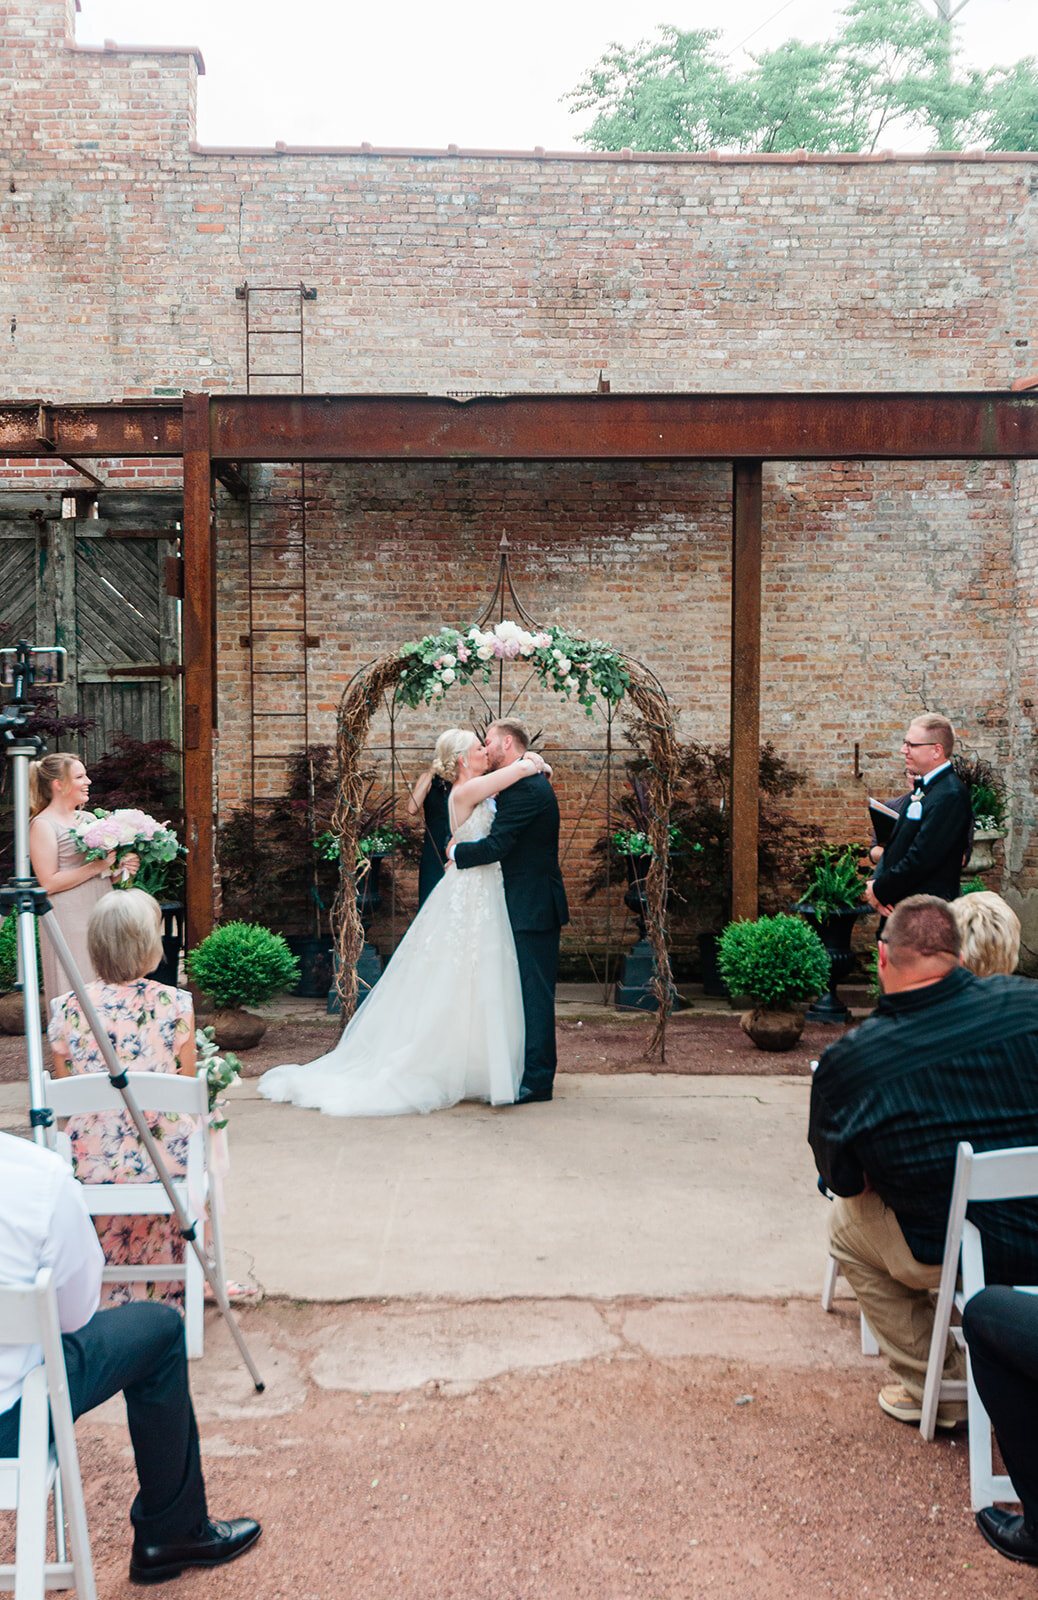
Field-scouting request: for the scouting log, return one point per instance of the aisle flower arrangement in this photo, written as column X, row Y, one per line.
column 562, row 662
column 129, row 832
column 221, row 1070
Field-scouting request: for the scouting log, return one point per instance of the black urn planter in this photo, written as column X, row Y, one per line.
column 634, row 991
column 168, row 969
column 835, row 929
column 314, row 955
column 709, row 967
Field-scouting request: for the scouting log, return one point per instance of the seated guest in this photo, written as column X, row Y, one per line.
column 152, row 1028
column 138, row 1349
column 946, row 1056
column 1001, row 1328
column 990, row 933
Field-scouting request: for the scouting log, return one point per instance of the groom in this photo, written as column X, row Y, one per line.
column 525, row 839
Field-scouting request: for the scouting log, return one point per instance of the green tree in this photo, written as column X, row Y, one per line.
column 891, row 64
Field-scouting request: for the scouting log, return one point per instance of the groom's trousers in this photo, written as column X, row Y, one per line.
column 538, row 957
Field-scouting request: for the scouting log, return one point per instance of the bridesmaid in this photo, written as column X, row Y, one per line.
column 430, row 792
column 58, row 793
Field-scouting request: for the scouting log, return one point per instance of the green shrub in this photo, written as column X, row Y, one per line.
column 774, row 960
column 9, row 954
column 242, row 964
column 833, row 879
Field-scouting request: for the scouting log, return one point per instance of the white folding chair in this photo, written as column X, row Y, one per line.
column 994, row 1175
column 869, row 1347
column 44, row 1466
column 159, row 1092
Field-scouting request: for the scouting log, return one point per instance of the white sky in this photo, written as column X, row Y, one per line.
column 459, row 72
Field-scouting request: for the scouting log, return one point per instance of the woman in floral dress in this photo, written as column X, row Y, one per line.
column 152, row 1028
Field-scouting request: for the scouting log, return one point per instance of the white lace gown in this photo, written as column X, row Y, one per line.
column 444, row 1022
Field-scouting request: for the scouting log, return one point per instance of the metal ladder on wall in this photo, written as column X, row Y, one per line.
column 275, row 526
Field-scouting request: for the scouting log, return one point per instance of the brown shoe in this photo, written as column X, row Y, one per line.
column 896, row 1401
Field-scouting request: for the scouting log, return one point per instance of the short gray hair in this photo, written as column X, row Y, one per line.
column 124, row 939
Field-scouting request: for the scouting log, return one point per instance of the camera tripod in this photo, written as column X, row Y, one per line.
column 23, row 897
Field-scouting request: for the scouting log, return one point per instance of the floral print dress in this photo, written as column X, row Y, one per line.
column 147, row 1023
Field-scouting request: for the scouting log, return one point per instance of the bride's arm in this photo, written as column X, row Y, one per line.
column 473, row 790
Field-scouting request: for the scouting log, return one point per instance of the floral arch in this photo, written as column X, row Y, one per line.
column 425, row 671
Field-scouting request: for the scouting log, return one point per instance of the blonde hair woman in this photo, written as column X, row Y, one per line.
column 58, row 793
column 152, row 1028
column 445, row 1021
column 990, row 933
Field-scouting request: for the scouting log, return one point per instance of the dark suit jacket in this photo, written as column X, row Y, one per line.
column 925, row 854
column 525, row 839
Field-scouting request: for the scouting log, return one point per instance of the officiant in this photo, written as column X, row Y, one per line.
column 930, row 838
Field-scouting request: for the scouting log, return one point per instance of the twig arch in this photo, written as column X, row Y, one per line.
column 361, row 699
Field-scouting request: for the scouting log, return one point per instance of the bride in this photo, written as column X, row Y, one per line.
column 445, row 1021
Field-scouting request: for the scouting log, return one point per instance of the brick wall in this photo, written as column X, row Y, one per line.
column 887, row 587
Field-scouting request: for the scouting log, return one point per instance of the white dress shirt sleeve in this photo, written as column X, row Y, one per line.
column 73, row 1253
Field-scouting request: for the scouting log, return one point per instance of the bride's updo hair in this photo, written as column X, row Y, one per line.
column 450, row 747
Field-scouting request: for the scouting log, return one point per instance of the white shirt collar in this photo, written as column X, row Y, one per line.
column 942, row 768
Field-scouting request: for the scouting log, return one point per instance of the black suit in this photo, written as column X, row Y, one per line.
column 525, row 839
column 1001, row 1328
column 926, row 850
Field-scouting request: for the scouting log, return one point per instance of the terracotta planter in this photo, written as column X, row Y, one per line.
column 234, row 1029
column 773, row 1028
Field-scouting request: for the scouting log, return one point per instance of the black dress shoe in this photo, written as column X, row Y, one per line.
column 526, row 1097
column 210, row 1546
column 1009, row 1535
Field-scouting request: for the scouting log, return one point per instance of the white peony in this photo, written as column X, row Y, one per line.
column 508, row 630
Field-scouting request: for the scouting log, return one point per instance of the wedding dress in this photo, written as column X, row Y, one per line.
column 444, row 1022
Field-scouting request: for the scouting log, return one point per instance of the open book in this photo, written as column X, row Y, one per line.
column 884, row 819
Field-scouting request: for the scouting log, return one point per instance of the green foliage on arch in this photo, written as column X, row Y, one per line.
column 562, row 662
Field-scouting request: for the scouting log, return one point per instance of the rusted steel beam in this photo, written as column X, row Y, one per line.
column 745, row 706
column 199, row 659
column 989, row 424
column 125, row 428
column 609, row 427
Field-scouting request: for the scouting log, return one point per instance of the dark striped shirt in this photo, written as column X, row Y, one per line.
column 891, row 1100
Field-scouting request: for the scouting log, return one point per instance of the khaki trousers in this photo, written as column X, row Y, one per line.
column 894, row 1290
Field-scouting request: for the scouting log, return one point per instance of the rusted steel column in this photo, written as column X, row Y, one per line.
column 745, row 713
column 199, row 631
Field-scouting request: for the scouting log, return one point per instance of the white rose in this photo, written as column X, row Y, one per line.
column 447, row 676
column 572, row 683
column 557, row 654
column 437, row 691
column 474, row 634
column 564, row 664
column 485, row 652
column 448, row 661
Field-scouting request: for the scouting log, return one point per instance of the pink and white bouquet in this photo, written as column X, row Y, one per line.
column 127, row 832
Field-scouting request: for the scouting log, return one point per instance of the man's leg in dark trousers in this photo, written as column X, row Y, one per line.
column 1001, row 1329
column 538, row 957
column 139, row 1349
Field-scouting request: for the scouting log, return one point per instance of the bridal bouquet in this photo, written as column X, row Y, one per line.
column 129, row 832
column 220, row 1072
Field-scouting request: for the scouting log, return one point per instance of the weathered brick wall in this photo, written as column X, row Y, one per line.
column 887, row 587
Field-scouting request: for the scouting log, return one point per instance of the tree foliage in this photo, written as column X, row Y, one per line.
column 890, row 67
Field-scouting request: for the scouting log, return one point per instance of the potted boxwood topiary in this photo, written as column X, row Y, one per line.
column 776, row 961
column 241, row 964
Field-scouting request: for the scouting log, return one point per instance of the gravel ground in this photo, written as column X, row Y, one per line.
column 630, row 1477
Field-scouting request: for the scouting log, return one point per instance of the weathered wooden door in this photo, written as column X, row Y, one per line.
column 100, row 587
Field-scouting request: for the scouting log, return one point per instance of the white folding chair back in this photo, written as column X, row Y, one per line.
column 869, row 1347
column 43, row 1466
column 160, row 1093
column 994, row 1175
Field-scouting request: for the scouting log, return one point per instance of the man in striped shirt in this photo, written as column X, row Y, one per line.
column 946, row 1056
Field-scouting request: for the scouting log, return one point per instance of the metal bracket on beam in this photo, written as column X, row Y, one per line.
column 228, row 474
column 43, row 437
